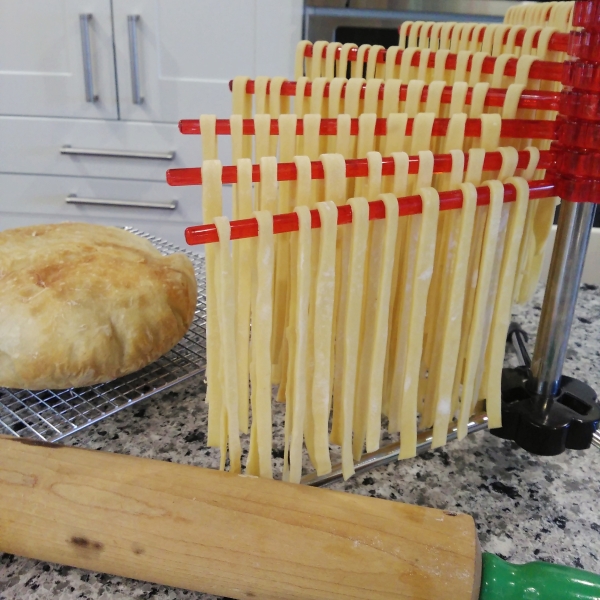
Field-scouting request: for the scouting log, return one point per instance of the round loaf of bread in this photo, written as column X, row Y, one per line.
column 82, row 304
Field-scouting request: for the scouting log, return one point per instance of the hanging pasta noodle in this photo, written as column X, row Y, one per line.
column 444, row 372
column 225, row 309
column 383, row 261
column 212, row 208
column 322, row 324
column 261, row 437
column 242, row 252
column 297, row 397
column 501, row 314
column 475, row 334
column 421, row 238
column 351, row 311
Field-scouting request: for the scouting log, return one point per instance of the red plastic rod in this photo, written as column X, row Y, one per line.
column 559, row 42
column 410, row 205
column 513, row 128
column 545, row 70
column 539, row 99
column 356, row 167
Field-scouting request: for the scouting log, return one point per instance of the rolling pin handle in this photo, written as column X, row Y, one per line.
column 544, row 581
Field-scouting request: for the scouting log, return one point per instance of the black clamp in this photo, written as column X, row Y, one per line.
column 545, row 426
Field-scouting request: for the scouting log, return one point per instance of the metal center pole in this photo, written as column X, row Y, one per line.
column 568, row 256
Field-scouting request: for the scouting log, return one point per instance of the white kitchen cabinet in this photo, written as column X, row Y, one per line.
column 42, row 64
column 187, row 53
column 183, row 53
column 152, row 206
column 37, row 146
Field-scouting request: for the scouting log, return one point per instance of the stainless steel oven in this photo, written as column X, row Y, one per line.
column 377, row 21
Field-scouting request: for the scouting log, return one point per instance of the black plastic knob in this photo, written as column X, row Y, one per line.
column 547, row 426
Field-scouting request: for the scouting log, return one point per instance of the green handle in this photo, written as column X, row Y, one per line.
column 535, row 581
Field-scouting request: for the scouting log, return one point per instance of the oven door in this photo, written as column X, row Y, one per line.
column 377, row 21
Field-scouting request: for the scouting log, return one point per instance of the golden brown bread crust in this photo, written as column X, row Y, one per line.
column 83, row 304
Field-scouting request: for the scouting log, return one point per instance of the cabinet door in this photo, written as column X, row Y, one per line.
column 183, row 53
column 46, row 50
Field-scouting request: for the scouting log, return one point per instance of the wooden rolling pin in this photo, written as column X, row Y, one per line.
column 228, row 535
column 243, row 537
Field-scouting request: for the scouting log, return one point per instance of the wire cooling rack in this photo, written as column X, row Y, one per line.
column 51, row 415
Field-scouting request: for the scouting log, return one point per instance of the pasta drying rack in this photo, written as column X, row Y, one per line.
column 542, row 410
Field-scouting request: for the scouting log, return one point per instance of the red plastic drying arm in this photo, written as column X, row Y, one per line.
column 513, row 128
column 539, row 99
column 356, row 167
column 546, row 70
column 410, row 205
column 558, row 43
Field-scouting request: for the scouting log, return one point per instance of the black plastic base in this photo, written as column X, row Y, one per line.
column 547, row 426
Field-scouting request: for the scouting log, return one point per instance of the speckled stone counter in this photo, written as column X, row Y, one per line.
column 526, row 507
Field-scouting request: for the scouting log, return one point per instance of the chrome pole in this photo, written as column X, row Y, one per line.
column 572, row 236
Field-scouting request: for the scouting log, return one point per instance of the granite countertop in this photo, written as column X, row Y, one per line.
column 526, row 507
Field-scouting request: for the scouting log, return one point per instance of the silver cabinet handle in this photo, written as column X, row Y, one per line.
column 73, row 199
column 117, row 153
column 134, row 59
column 86, row 51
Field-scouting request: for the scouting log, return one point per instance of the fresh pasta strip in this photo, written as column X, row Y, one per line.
column 383, row 279
column 351, row 315
column 262, row 137
column 301, row 102
column 372, row 103
column 445, row 371
column 371, row 189
column 278, row 104
column 287, row 151
column 501, row 315
column 212, row 207
column 391, row 97
column 473, row 175
column 299, row 68
column 399, row 189
column 261, row 100
column 476, row 332
column 358, row 68
column 297, row 398
column 396, row 133
column 510, row 158
column 242, row 102
column 208, row 125
column 374, row 70
column 391, row 69
column 317, row 105
column 423, row 230
column 242, row 252
column 317, row 65
column 342, row 65
column 261, row 441
column 322, row 336
column 330, row 70
column 228, row 372
column 268, row 184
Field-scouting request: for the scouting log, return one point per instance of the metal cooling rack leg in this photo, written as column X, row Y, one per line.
column 572, row 237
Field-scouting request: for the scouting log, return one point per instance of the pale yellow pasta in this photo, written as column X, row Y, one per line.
column 261, row 440
column 476, row 332
column 212, row 207
column 225, row 309
column 503, row 299
column 444, row 372
column 323, row 322
column 297, row 396
column 351, row 312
